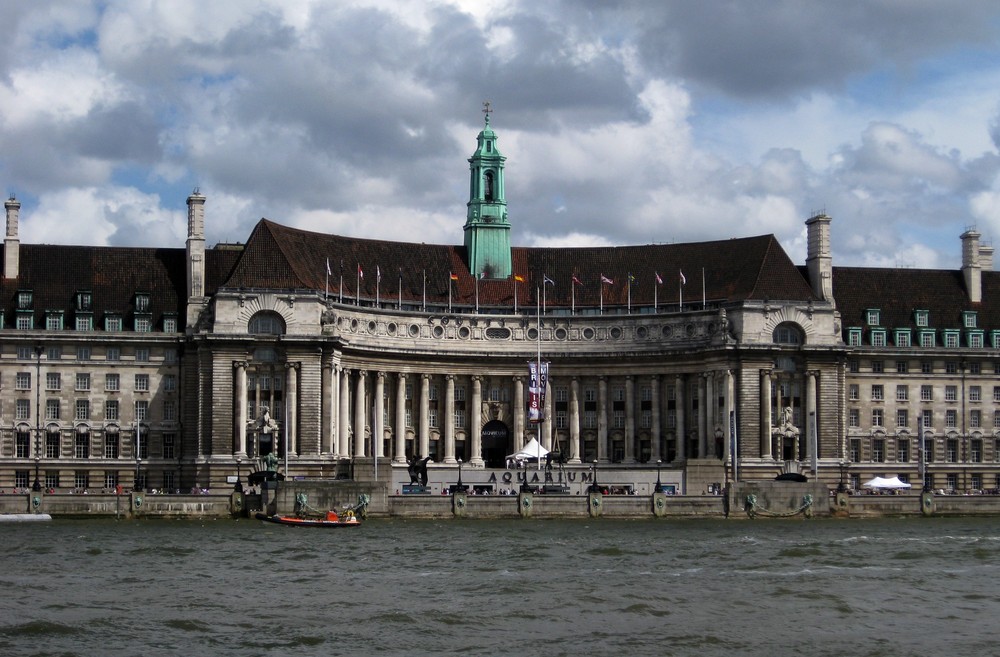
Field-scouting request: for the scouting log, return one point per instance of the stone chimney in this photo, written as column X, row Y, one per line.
column 819, row 261
column 986, row 257
column 972, row 271
column 11, row 243
column 195, row 257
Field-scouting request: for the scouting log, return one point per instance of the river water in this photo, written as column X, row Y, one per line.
column 488, row 587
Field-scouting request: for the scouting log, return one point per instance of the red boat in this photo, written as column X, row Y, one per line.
column 331, row 520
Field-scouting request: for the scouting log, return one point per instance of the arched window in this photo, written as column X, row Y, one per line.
column 266, row 323
column 787, row 333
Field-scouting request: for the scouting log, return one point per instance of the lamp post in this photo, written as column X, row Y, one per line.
column 842, row 486
column 923, row 462
column 460, row 488
column 138, row 430
column 37, row 484
column 239, row 480
column 659, row 486
column 525, row 488
column 594, row 488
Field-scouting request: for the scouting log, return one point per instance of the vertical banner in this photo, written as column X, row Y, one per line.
column 534, row 397
column 543, row 380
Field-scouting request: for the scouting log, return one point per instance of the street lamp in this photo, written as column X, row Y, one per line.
column 842, row 486
column 659, row 486
column 460, row 488
column 525, row 488
column 594, row 488
column 138, row 440
column 239, row 481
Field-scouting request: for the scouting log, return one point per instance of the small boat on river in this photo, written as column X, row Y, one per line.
column 331, row 520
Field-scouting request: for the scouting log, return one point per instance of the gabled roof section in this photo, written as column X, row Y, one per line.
column 897, row 293
column 280, row 257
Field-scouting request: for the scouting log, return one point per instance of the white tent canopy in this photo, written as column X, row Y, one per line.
column 533, row 450
column 882, row 482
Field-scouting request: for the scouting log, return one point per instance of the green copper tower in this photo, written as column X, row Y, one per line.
column 487, row 231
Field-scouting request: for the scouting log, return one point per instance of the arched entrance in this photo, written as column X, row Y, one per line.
column 496, row 443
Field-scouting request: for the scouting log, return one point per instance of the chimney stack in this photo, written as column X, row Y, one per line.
column 972, row 271
column 819, row 260
column 11, row 243
column 195, row 249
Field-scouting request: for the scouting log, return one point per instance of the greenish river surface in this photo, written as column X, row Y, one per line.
column 889, row 588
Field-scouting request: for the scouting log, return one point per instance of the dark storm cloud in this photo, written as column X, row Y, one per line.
column 127, row 131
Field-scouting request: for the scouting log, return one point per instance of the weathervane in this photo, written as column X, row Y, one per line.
column 487, row 110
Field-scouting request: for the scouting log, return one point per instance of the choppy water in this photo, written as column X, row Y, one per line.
column 526, row 587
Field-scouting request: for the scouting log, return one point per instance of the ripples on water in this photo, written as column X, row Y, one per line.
column 527, row 587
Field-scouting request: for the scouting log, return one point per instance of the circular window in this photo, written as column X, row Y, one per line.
column 372, row 327
column 560, row 333
column 666, row 331
column 354, row 325
column 414, row 330
column 438, row 331
column 616, row 333
column 532, row 334
column 689, row 329
column 641, row 332
column 497, row 333
column 391, row 328
column 588, row 333
column 464, row 332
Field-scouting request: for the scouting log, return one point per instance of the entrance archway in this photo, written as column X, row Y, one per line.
column 496, row 443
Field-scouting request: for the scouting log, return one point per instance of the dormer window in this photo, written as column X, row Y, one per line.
column 873, row 316
column 141, row 302
column 921, row 317
column 25, row 300
column 84, row 301
column 53, row 320
column 169, row 323
column 969, row 319
column 854, row 337
column 112, row 322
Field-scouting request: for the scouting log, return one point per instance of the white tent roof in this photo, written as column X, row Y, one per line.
column 533, row 450
column 882, row 482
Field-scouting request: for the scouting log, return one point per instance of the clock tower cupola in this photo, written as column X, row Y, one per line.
column 487, row 231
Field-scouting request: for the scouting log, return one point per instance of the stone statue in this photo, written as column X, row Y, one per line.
column 271, row 462
column 417, row 469
column 786, row 427
column 265, row 423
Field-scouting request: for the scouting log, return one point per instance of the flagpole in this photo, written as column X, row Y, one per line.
column 703, row 300
column 449, row 292
column 655, row 294
column 399, row 304
column 423, row 306
column 340, row 290
column 602, row 294
column 515, row 294
column 357, row 290
column 378, row 279
column 326, row 290
column 628, row 284
column 541, row 391
column 572, row 307
column 477, row 294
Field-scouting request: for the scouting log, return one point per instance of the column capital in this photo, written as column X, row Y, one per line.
column 425, row 377
column 240, row 364
column 476, row 378
column 380, row 374
column 449, row 377
column 292, row 366
column 402, row 376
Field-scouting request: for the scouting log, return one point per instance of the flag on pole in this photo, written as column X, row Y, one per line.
column 361, row 272
column 605, row 279
column 378, row 274
column 659, row 280
column 453, row 276
column 546, row 280
column 518, row 278
column 577, row 281
column 328, row 272
column 684, row 279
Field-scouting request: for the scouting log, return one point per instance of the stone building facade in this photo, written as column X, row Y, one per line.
column 176, row 368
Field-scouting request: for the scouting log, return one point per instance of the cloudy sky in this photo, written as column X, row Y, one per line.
column 622, row 122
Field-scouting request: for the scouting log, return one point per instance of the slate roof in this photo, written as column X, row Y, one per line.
column 113, row 276
column 280, row 257
column 897, row 293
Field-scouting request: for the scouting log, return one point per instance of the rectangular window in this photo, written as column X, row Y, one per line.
column 975, row 368
column 878, row 450
column 878, row 338
column 51, row 409
column 142, row 302
column 142, row 355
column 169, row 355
column 902, row 417
column 926, row 367
column 169, row 324
column 855, row 450
column 113, row 354
column 975, row 393
column 996, row 421
column 53, row 381
column 82, row 381
column 142, row 383
column 853, row 392
column 22, row 444
column 853, row 366
column 24, row 300
column 951, row 450
column 951, row 367
column 903, row 451
column 854, row 417
column 432, row 417
column 873, row 317
column 927, row 339
column 81, row 480
column 878, row 366
column 976, row 418
column 81, row 446
column 22, row 409
column 112, row 382
column 22, row 381
column 83, row 353
column 951, row 393
column 854, row 337
column 878, row 392
column 951, row 339
column 111, row 445
column 902, row 393
column 142, row 411
column 113, row 323
column 618, row 419
column 950, row 419
column 877, row 418
column 921, row 317
column 82, row 409
column 969, row 318
column 169, row 440
column 169, row 410
column 902, row 367
column 926, row 393
column 927, row 419
column 53, row 321
column 111, row 410
column 589, row 420
column 25, row 353
column 169, row 383
column 929, row 450
column 902, row 338
column 52, row 444
column 25, row 322
column 976, row 340
column 460, row 393
column 84, row 323
column 54, row 353
column 143, row 324
column 52, row 479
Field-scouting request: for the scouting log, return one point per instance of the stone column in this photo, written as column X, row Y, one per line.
column 241, row 408
column 400, row 428
column 656, row 452
column 476, row 423
column 812, row 441
column 681, row 420
column 378, row 422
column 702, row 424
column 518, row 413
column 547, row 424
column 727, row 432
column 629, row 419
column 292, row 408
column 765, row 414
column 602, row 420
column 360, row 415
column 711, row 414
column 449, row 418
column 327, row 401
column 344, row 418
column 425, row 422
column 574, row 420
